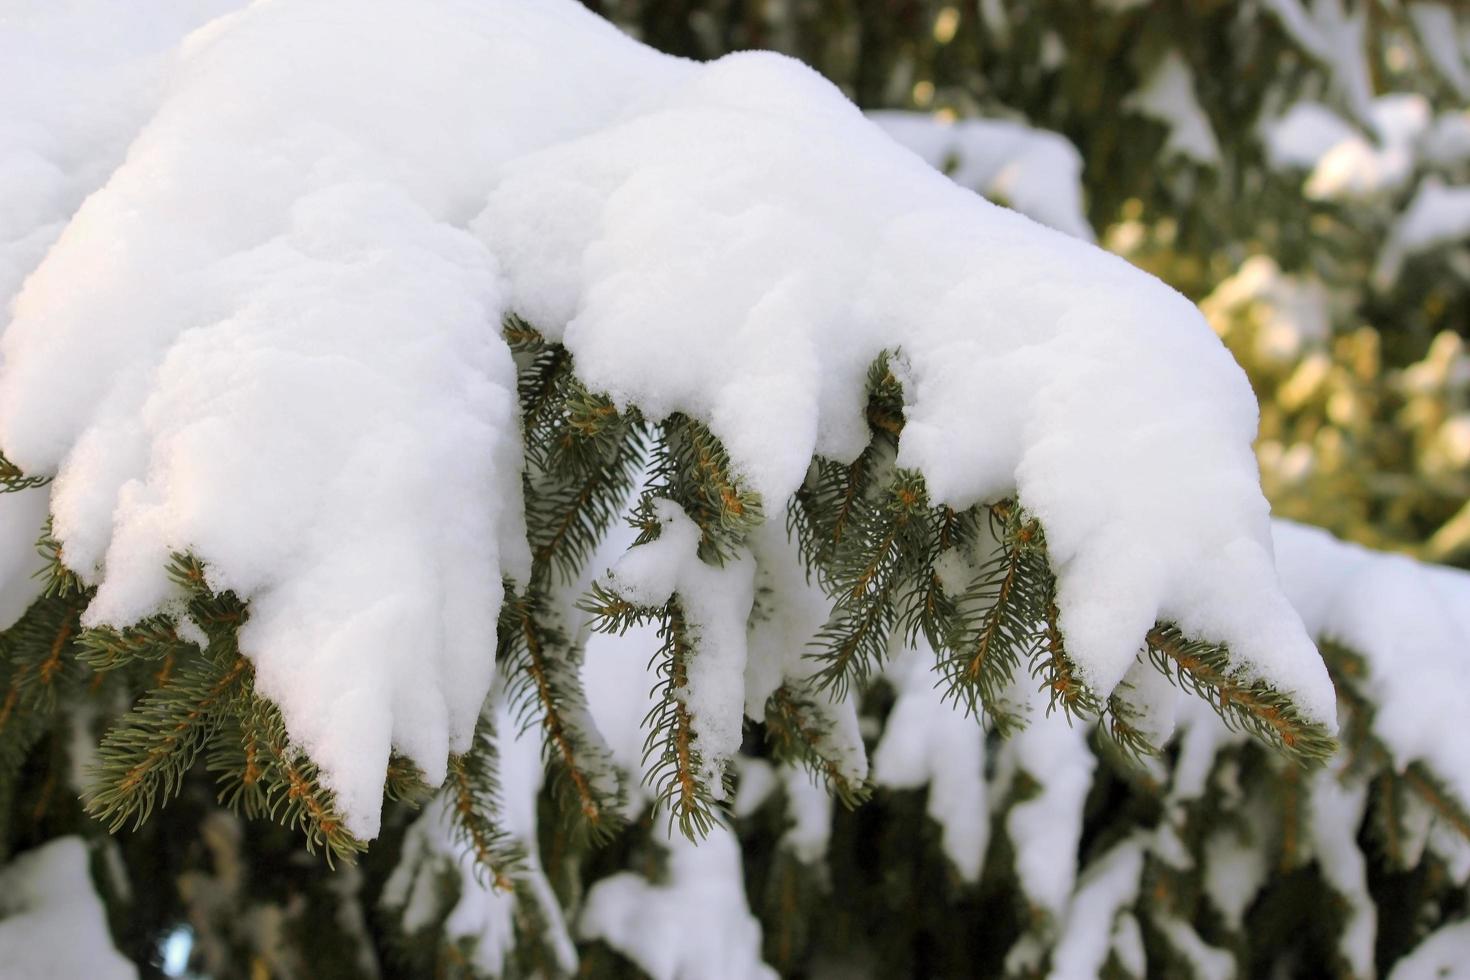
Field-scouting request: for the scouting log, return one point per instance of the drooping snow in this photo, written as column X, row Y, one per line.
column 52, row 922
column 1434, row 23
column 483, row 915
column 716, row 603
column 1336, row 813
column 694, row 923
column 927, row 741
column 289, row 336
column 1345, row 164
column 1047, row 827
column 1409, row 623
column 1109, row 887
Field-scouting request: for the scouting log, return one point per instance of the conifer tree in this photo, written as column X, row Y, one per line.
column 427, row 585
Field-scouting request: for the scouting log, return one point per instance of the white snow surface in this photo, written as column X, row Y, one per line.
column 1107, row 889
column 1411, row 624
column 1443, row 955
column 52, row 923
column 694, row 924
column 287, row 358
column 1035, row 171
column 928, row 741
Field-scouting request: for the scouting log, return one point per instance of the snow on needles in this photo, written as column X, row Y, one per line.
column 286, row 359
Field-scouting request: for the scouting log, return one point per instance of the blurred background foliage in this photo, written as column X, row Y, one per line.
column 1297, row 166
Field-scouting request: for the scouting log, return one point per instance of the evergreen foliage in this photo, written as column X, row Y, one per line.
column 186, row 744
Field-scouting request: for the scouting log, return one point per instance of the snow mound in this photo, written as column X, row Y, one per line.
column 286, row 359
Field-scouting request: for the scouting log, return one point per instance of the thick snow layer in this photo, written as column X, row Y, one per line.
column 287, row 361
column 1035, row 171
column 80, row 77
column 695, row 923
column 52, row 924
column 1411, row 624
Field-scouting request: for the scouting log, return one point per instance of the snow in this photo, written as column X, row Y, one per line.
column 1409, row 622
column 1436, row 216
column 1167, row 95
column 1332, row 36
column 1206, row 962
column 695, row 923
column 1336, row 812
column 1443, row 955
column 1108, row 887
column 1035, row 171
column 1047, row 827
column 927, row 741
column 809, row 815
column 1434, row 23
column 289, row 335
column 79, row 82
column 483, row 915
column 52, row 923
column 1304, row 134
column 716, row 603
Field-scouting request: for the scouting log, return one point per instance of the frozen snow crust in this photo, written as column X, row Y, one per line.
column 286, row 356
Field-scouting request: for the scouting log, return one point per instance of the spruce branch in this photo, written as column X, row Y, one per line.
column 868, row 571
column 1205, row 670
column 281, row 782
column 143, row 758
column 154, row 640
column 545, row 686
column 691, row 468
column 12, row 479
column 675, row 765
column 997, row 617
column 476, row 813
column 798, row 732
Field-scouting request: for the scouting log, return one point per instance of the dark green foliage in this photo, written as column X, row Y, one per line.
column 545, row 688
column 474, row 794
column 799, row 733
column 12, row 479
column 691, row 468
column 676, row 765
column 1205, row 670
column 875, row 557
